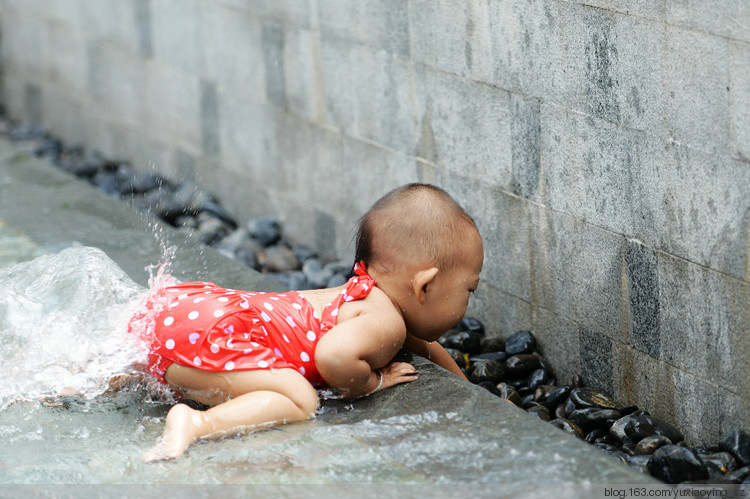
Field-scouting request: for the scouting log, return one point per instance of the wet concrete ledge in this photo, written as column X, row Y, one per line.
column 437, row 430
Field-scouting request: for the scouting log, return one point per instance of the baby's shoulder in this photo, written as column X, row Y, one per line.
column 378, row 304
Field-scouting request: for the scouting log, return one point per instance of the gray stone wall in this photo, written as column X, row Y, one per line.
column 603, row 147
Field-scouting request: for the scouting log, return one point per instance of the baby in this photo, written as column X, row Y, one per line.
column 256, row 357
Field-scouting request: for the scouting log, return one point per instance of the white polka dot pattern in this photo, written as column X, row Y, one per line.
column 216, row 329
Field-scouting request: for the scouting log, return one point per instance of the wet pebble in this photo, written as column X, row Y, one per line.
column 490, row 386
column 304, row 253
column 648, row 445
column 466, row 341
column 537, row 377
column 265, row 230
column 493, row 344
column 737, row 476
column 482, row 369
column 737, row 443
column 508, row 393
column 471, row 325
column 521, row 365
column 676, row 464
column 634, row 427
column 520, row 342
column 568, row 427
column 591, row 397
column 458, row 357
column 639, row 462
column 539, row 411
column 211, row 230
column 557, row 397
column 278, row 259
column 719, row 463
column 613, row 451
column 592, row 417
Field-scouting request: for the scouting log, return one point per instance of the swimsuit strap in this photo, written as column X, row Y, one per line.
column 356, row 288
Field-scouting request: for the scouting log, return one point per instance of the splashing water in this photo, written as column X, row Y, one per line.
column 64, row 324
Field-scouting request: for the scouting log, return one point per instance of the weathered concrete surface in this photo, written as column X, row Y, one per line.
column 437, row 431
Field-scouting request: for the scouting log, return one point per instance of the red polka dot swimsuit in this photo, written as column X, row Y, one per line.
column 201, row 325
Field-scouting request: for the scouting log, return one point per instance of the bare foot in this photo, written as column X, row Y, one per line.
column 179, row 433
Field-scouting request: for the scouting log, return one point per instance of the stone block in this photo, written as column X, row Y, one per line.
column 643, row 380
column 304, row 86
column 452, row 36
column 66, row 61
column 559, row 342
column 273, row 63
column 310, row 167
column 505, row 222
column 239, row 194
column 34, row 8
column 380, row 25
column 695, row 205
column 296, row 13
column 64, row 13
column 143, row 26
column 704, row 323
column 649, row 9
column 739, row 100
column 13, row 101
column 184, row 165
column 706, row 413
column 248, row 139
column 695, row 82
column 596, row 360
column 172, row 103
column 613, row 67
column 501, row 313
column 23, row 45
column 324, row 227
column 590, row 168
column 468, row 126
column 369, row 172
column 641, row 270
column 525, row 146
column 209, row 119
column 368, row 94
column 115, row 21
column 577, row 272
column 231, row 49
column 33, row 103
column 597, row 52
column 528, row 41
column 65, row 118
column 175, row 33
column 116, row 81
column 727, row 19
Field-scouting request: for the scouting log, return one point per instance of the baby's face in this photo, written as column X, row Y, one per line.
column 449, row 298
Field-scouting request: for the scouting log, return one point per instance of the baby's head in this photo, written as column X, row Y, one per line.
column 426, row 254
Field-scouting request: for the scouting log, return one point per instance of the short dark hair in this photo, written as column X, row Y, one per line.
column 414, row 220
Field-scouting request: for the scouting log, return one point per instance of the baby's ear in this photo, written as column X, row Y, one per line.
column 422, row 280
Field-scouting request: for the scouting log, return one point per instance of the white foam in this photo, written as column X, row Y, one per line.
column 63, row 325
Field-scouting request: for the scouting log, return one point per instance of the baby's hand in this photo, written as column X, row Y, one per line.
column 398, row 372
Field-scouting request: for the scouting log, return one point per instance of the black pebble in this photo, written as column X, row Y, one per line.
column 737, row 443
column 676, row 464
column 520, row 342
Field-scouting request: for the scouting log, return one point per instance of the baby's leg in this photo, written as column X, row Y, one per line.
column 256, row 398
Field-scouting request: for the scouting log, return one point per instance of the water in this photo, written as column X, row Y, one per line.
column 63, row 325
column 63, row 329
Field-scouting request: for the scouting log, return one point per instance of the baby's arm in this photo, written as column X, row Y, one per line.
column 433, row 351
column 350, row 354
